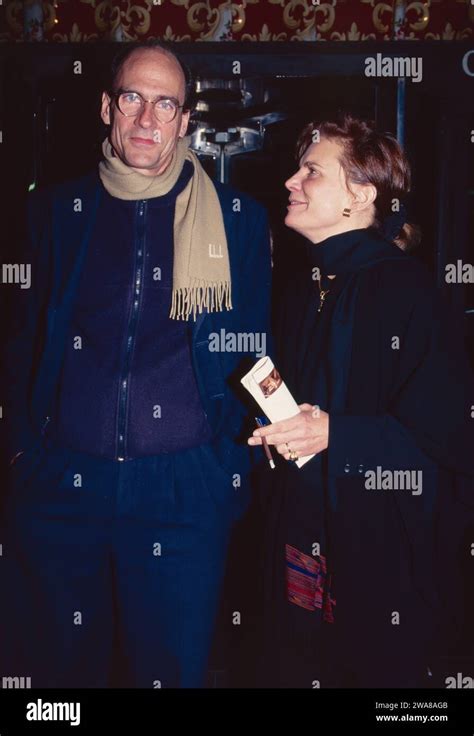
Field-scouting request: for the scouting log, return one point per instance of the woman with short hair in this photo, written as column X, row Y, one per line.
column 355, row 594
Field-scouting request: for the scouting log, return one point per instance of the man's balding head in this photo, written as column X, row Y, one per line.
column 141, row 141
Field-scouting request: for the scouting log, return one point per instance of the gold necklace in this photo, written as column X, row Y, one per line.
column 322, row 295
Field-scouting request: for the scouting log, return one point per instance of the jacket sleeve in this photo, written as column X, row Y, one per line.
column 430, row 415
column 254, row 282
column 24, row 332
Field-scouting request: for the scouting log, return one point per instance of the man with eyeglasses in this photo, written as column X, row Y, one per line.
column 126, row 476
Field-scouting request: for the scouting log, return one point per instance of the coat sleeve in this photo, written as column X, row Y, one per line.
column 255, row 285
column 24, row 332
column 253, row 279
column 430, row 415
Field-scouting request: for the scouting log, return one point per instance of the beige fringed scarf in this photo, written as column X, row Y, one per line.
column 201, row 270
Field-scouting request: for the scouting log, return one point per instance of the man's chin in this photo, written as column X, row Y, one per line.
column 142, row 162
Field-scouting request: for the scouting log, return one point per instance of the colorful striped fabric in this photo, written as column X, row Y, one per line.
column 307, row 583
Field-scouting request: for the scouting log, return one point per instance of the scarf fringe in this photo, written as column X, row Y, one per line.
column 194, row 299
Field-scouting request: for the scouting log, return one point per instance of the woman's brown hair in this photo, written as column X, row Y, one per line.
column 369, row 157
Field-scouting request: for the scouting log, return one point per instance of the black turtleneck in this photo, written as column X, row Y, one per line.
column 302, row 330
column 349, row 251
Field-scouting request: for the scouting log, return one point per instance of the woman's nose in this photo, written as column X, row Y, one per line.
column 293, row 183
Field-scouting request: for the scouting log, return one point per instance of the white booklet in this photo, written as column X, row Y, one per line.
column 272, row 395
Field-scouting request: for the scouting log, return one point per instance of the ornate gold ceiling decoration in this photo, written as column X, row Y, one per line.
column 265, row 35
column 308, row 20
column 14, row 16
column 246, row 20
column 353, row 34
column 417, row 15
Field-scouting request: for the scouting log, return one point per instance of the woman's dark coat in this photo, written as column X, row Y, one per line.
column 386, row 360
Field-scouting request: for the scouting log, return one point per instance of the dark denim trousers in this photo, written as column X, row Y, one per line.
column 105, row 562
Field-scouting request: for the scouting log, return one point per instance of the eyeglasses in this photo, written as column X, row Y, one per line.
column 132, row 103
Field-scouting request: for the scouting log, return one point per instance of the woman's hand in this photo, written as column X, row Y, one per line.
column 305, row 434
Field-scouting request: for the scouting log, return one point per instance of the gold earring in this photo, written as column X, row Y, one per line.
column 346, row 212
